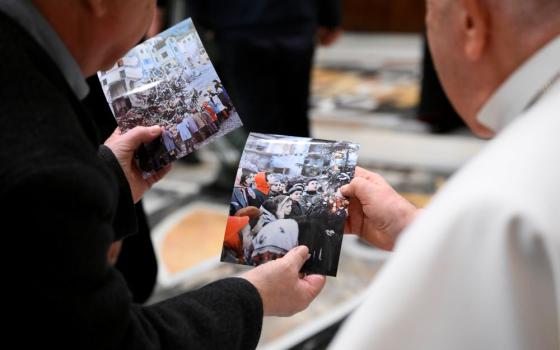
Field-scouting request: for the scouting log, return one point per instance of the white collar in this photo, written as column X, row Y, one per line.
column 521, row 88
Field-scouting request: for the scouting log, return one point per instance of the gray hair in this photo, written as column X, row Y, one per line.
column 528, row 14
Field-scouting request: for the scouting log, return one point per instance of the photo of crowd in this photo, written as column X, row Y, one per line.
column 287, row 194
column 169, row 81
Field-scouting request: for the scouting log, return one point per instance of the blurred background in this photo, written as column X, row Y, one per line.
column 372, row 83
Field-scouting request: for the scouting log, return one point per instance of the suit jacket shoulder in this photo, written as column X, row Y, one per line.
column 62, row 198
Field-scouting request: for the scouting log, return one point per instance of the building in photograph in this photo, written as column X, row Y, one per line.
column 189, row 46
column 284, row 157
column 146, row 58
column 120, row 80
column 295, row 158
column 315, row 161
column 163, row 53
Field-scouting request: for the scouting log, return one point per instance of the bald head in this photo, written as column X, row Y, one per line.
column 525, row 12
column 527, row 17
column 477, row 44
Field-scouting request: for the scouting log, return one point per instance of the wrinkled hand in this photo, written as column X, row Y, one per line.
column 376, row 212
column 123, row 147
column 282, row 291
column 328, row 36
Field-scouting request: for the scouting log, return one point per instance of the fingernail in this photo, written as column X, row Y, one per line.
column 154, row 130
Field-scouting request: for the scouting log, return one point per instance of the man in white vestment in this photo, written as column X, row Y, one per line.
column 479, row 268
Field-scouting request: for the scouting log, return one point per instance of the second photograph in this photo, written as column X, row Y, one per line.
column 287, row 194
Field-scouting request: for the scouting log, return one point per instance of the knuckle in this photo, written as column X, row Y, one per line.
column 286, row 265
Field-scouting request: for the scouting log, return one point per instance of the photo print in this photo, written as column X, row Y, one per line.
column 169, row 80
column 286, row 194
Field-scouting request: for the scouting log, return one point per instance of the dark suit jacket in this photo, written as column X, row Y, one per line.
column 137, row 260
column 61, row 200
column 266, row 18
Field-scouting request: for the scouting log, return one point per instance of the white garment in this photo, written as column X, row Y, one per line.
column 480, row 267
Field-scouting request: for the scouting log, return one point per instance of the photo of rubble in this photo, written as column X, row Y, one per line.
column 170, row 81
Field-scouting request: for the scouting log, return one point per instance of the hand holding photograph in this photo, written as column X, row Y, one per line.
column 169, row 81
column 287, row 194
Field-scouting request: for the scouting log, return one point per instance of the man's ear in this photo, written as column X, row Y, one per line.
column 476, row 27
column 97, row 8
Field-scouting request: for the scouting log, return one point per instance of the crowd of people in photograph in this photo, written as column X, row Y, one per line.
column 188, row 115
column 272, row 213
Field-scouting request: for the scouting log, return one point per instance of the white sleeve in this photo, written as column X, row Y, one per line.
column 472, row 274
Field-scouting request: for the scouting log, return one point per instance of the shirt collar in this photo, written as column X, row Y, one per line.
column 522, row 87
column 31, row 20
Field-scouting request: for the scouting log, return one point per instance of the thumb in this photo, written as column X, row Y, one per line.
column 346, row 190
column 141, row 134
column 351, row 190
column 315, row 284
column 359, row 188
column 297, row 256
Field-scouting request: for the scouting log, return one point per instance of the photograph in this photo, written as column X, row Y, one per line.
column 169, row 81
column 286, row 194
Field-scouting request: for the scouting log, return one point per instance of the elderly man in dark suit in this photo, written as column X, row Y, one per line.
column 68, row 197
